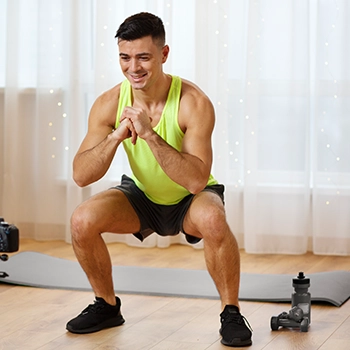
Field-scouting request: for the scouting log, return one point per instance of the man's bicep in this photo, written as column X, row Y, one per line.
column 199, row 128
column 197, row 142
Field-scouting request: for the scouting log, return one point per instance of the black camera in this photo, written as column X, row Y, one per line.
column 9, row 237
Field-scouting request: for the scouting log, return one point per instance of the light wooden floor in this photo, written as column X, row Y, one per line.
column 33, row 318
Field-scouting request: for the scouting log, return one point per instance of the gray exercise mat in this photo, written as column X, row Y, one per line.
column 39, row 270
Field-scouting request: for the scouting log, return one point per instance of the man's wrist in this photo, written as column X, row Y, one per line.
column 114, row 137
column 151, row 136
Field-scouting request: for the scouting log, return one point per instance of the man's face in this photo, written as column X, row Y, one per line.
column 141, row 61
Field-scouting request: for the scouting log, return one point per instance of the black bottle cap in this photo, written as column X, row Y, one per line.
column 301, row 279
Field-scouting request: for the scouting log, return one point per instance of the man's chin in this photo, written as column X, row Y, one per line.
column 138, row 86
column 138, row 83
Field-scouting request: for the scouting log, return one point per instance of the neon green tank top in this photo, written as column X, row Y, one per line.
column 147, row 173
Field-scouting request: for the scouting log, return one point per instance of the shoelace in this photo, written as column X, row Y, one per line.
column 94, row 308
column 237, row 318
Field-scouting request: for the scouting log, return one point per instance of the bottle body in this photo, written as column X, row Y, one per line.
column 302, row 299
column 301, row 296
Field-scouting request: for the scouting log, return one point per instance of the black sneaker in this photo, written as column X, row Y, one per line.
column 96, row 317
column 234, row 329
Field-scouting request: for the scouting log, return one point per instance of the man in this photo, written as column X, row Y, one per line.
column 165, row 124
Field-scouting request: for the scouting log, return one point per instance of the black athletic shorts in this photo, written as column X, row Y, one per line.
column 165, row 220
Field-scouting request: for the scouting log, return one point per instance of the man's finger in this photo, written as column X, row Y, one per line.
column 133, row 137
column 133, row 132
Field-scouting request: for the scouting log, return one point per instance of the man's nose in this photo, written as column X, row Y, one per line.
column 135, row 65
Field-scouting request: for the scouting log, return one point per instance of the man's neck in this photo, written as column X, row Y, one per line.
column 155, row 94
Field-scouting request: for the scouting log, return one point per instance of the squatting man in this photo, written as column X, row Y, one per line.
column 165, row 125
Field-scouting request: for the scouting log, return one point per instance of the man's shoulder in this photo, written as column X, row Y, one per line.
column 110, row 96
column 195, row 107
column 105, row 106
column 193, row 95
column 190, row 86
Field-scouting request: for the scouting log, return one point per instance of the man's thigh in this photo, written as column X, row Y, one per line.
column 110, row 211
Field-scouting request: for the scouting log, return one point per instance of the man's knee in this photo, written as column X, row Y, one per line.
column 80, row 222
column 211, row 222
column 109, row 211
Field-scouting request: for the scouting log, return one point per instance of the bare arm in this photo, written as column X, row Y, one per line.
column 191, row 167
column 98, row 148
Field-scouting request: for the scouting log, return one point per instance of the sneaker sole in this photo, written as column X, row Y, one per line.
column 115, row 322
column 238, row 343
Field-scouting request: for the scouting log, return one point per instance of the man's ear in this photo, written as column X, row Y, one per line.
column 165, row 51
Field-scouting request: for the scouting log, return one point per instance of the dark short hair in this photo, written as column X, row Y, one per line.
column 140, row 25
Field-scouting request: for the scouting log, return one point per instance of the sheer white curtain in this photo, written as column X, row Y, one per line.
column 276, row 71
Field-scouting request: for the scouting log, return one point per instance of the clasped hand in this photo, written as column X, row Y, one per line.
column 134, row 122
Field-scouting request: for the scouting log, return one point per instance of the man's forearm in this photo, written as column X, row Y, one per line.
column 91, row 165
column 185, row 169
